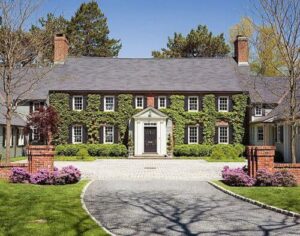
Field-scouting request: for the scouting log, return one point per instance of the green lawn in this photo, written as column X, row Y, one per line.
column 14, row 159
column 73, row 158
column 240, row 159
column 287, row 198
column 44, row 210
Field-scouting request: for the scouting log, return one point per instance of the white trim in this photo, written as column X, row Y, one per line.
column 197, row 128
column 219, row 110
column 189, row 103
column 104, row 134
column 136, row 105
column 158, row 102
column 73, row 137
column 73, row 102
column 243, row 63
column 219, row 127
column 21, row 138
column 108, row 96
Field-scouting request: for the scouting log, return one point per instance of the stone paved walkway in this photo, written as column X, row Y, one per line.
column 150, row 169
column 179, row 207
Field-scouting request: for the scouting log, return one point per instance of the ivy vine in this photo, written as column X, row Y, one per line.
column 93, row 118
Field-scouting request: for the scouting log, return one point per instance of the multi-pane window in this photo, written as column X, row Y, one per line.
column 108, row 134
column 77, row 103
column 109, row 103
column 223, row 104
column 223, row 134
column 36, row 106
column 193, row 103
column 260, row 133
column 258, row 110
column 162, row 102
column 35, row 134
column 193, row 134
column 139, row 102
column 20, row 137
column 77, row 134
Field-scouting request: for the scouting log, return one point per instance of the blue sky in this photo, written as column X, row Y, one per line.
column 144, row 25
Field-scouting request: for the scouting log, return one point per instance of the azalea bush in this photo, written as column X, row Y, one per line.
column 19, row 175
column 66, row 175
column 237, row 177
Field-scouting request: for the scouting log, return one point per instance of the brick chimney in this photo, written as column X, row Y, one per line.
column 241, row 50
column 61, row 46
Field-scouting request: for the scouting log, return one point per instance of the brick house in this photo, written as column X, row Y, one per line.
column 152, row 102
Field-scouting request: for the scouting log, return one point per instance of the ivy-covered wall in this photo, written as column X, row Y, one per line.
column 92, row 117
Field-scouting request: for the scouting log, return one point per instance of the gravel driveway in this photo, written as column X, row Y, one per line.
column 179, row 207
column 150, row 169
column 172, row 197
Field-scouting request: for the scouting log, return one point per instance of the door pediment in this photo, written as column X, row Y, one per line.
column 150, row 112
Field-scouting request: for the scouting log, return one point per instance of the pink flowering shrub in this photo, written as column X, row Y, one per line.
column 236, row 177
column 67, row 175
column 264, row 178
column 19, row 175
column 283, row 178
column 239, row 177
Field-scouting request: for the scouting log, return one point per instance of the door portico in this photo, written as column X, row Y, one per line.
column 150, row 132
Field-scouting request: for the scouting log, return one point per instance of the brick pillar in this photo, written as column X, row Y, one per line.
column 260, row 157
column 150, row 101
column 40, row 157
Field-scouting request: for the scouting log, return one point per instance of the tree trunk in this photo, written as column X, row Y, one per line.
column 7, row 139
column 293, row 111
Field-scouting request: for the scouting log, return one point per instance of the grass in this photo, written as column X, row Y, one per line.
column 188, row 158
column 44, row 210
column 88, row 158
column 73, row 158
column 14, row 159
column 287, row 198
column 240, row 159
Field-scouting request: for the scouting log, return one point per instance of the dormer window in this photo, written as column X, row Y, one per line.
column 258, row 110
column 223, row 104
column 193, row 103
column 139, row 102
column 109, row 103
column 77, row 103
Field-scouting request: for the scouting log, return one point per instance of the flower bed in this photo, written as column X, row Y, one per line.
column 239, row 177
column 66, row 175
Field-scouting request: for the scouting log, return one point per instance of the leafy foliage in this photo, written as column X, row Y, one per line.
column 47, row 28
column 67, row 175
column 237, row 177
column 200, row 42
column 88, row 33
column 93, row 118
column 46, row 121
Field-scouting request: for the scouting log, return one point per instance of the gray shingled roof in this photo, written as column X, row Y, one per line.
column 112, row 74
column 265, row 89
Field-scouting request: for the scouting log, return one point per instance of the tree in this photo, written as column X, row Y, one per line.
column 48, row 27
column 18, row 51
column 88, row 33
column 245, row 27
column 198, row 43
column 268, row 61
column 46, row 121
column 282, row 18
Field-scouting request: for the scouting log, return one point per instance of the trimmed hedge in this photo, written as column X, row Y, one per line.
column 218, row 151
column 91, row 150
column 113, row 150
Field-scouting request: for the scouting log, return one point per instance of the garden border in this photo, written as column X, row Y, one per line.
column 257, row 203
column 87, row 211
